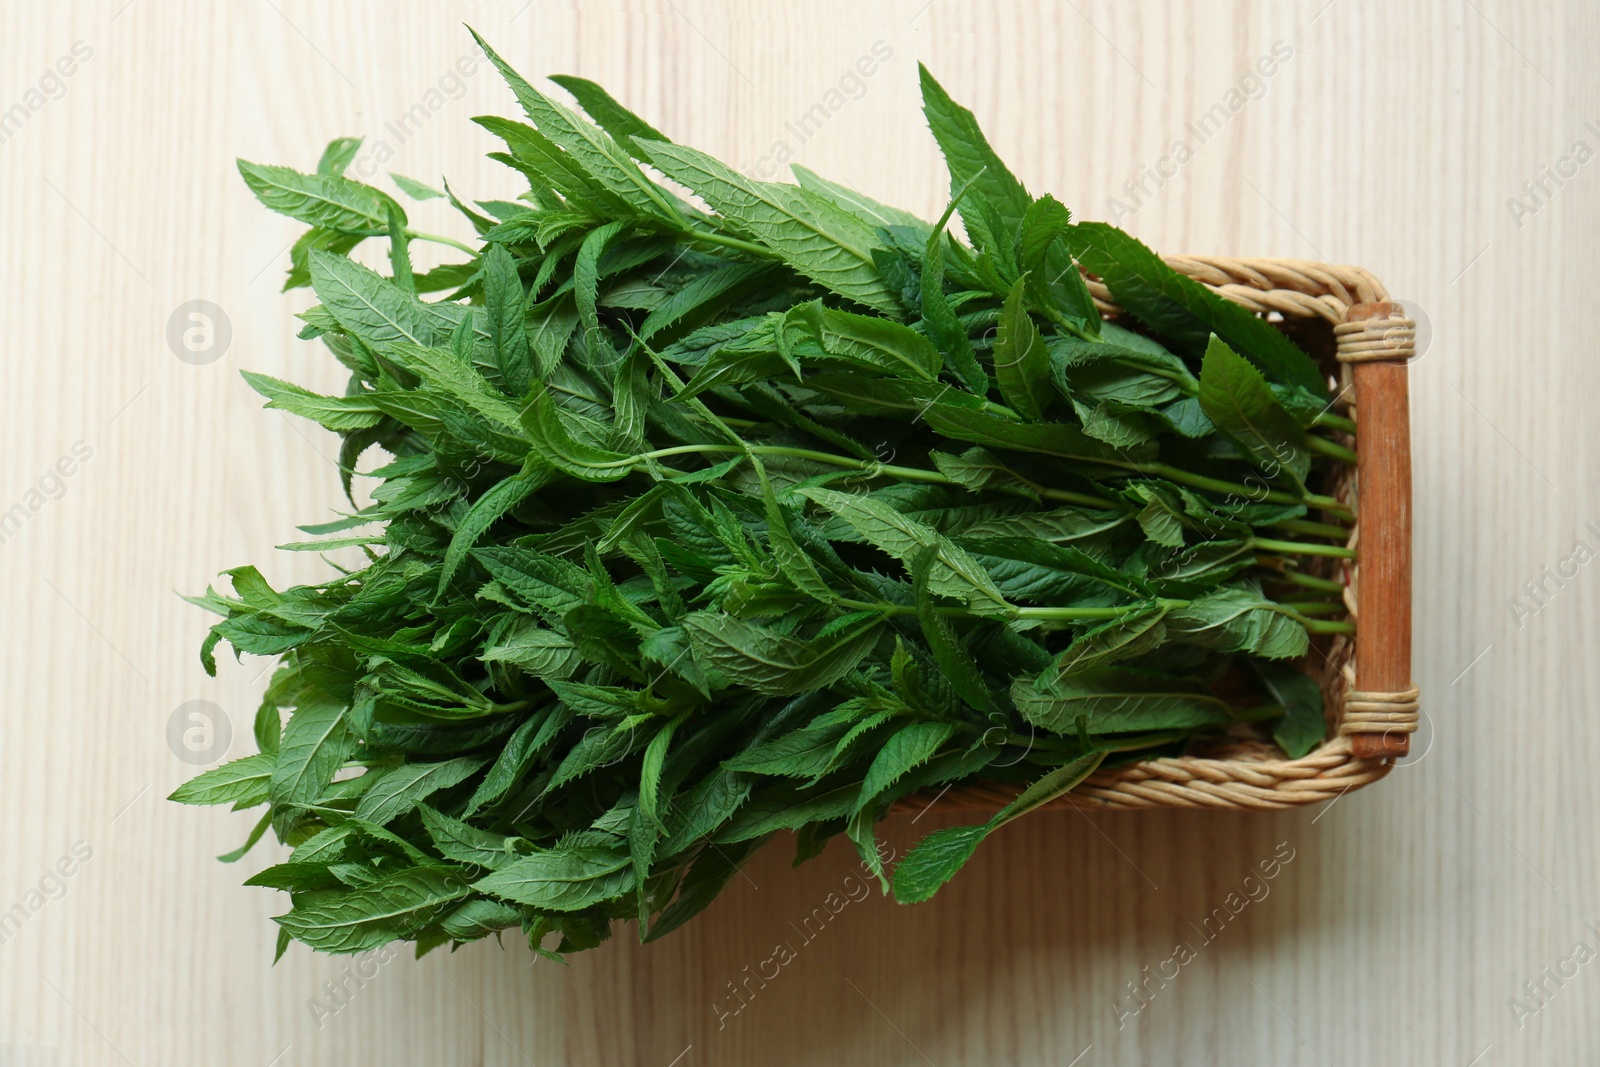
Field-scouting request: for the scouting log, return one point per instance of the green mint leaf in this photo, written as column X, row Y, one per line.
column 1239, row 620
column 942, row 324
column 460, row 842
column 805, row 753
column 474, row 919
column 1302, row 727
column 414, row 189
column 316, row 741
column 337, row 157
column 971, row 160
column 615, row 119
column 256, row 833
column 562, row 879
column 1021, row 363
column 773, row 663
column 807, row 231
column 1112, row 700
column 241, row 781
column 874, row 343
column 1183, row 309
column 370, row 306
column 1058, row 782
column 951, row 572
column 934, row 860
column 506, row 308
column 488, row 509
column 340, row 414
column 906, row 749
column 955, row 662
column 868, row 210
column 529, row 743
column 711, row 871
column 1236, row 398
column 399, row 790
column 588, row 145
column 376, row 914
column 326, row 200
column 1054, row 282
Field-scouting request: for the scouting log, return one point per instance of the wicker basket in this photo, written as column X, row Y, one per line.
column 1343, row 315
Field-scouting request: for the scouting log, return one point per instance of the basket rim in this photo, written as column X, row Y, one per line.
column 1245, row 776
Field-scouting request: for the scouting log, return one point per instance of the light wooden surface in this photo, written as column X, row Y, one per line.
column 1409, row 915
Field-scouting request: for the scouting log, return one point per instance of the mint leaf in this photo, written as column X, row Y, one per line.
column 971, row 160
column 375, row 914
column 1179, row 307
column 398, row 791
column 807, row 231
column 773, row 663
column 315, row 742
column 1113, row 700
column 934, row 860
column 1237, row 400
column 1302, row 727
column 1021, row 364
column 590, row 147
column 338, row 156
column 326, row 200
column 561, row 879
column 241, row 781
column 414, row 189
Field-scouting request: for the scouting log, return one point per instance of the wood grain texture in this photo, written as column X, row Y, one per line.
column 1383, row 653
column 1400, row 921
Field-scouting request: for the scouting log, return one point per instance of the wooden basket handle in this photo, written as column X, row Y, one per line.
column 1380, row 711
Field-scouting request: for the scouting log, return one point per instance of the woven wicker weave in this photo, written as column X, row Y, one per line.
column 1249, row 774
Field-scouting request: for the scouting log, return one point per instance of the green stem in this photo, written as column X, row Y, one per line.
column 1150, row 740
column 1067, row 325
column 1217, row 485
column 739, row 424
column 1067, row 496
column 933, row 477
column 1259, row 713
column 715, row 238
column 1314, row 607
column 1075, row 614
column 1315, row 529
column 325, row 808
column 1301, row 548
column 417, row 235
column 1068, row 615
column 1337, row 422
column 908, row 474
column 1328, row 448
column 883, row 607
column 1309, row 581
column 1182, row 379
column 1047, row 744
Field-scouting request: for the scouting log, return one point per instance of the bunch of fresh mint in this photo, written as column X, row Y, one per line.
column 703, row 522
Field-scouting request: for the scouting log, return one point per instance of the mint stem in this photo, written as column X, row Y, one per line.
column 417, row 235
column 1304, row 549
column 917, row 474
column 1308, row 581
column 1315, row 529
column 1328, row 448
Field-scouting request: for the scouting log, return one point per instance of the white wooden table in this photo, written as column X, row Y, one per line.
column 1399, row 137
